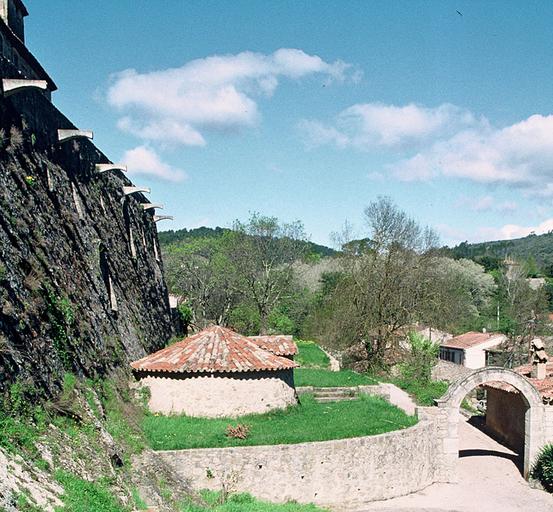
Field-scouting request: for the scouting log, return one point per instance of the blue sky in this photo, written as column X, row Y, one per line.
column 309, row 110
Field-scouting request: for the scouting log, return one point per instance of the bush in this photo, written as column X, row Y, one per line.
column 422, row 357
column 543, row 468
column 240, row 431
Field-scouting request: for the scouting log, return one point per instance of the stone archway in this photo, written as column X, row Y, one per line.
column 533, row 420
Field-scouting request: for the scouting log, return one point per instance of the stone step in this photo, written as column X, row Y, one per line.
column 324, row 399
column 334, row 394
column 317, row 390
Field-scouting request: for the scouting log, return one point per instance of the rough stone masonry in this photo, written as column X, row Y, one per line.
column 71, row 243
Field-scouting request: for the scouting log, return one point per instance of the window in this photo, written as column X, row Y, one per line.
column 452, row 355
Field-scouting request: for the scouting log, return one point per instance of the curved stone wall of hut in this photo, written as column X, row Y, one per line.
column 217, row 395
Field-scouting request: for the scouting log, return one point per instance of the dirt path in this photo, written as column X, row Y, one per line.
column 489, row 482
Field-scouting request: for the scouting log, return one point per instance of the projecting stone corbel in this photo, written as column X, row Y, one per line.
column 135, row 190
column 65, row 135
column 150, row 206
column 100, row 168
column 157, row 218
column 13, row 85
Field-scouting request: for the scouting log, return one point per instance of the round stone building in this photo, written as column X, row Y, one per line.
column 217, row 373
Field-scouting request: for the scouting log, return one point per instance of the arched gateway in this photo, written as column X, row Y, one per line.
column 533, row 420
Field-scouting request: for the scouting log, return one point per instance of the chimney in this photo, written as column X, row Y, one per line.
column 539, row 371
column 539, row 359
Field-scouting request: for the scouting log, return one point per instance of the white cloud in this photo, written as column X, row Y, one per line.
column 485, row 203
column 446, row 141
column 505, row 232
column 219, row 92
column 370, row 125
column 509, row 231
column 507, row 206
column 520, row 155
column 145, row 161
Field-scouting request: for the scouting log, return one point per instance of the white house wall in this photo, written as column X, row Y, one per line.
column 220, row 395
column 475, row 357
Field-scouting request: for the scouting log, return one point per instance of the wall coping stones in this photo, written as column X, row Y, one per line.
column 13, row 85
column 135, row 190
column 66, row 135
column 100, row 168
column 151, row 206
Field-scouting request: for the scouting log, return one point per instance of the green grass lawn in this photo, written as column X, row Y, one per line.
column 310, row 355
column 244, row 503
column 326, row 378
column 314, row 369
column 310, row 421
column 423, row 393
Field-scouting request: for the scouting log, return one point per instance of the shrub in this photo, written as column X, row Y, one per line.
column 421, row 359
column 543, row 468
column 241, row 431
column 186, row 315
column 30, row 180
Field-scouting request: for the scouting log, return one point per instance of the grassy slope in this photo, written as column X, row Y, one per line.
column 310, row 421
column 314, row 369
column 310, row 355
column 326, row 378
column 423, row 393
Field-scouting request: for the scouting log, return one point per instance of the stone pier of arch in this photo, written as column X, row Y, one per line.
column 445, row 416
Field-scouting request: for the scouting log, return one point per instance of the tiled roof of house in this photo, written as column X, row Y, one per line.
column 544, row 386
column 278, row 344
column 213, row 350
column 472, row 339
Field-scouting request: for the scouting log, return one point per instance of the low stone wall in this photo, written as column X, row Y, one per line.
column 445, row 370
column 326, row 473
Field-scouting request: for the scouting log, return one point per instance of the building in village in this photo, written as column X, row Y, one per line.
column 217, row 373
column 506, row 407
column 18, row 61
column 469, row 349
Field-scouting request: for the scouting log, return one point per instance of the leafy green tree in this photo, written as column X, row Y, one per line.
column 262, row 253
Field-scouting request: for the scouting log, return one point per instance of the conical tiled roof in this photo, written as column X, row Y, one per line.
column 277, row 344
column 213, row 350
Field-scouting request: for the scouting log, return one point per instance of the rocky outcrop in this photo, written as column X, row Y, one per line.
column 81, row 287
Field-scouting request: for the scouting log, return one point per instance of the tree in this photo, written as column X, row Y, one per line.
column 201, row 272
column 381, row 289
column 399, row 278
column 262, row 252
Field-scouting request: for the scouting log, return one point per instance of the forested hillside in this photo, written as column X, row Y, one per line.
column 261, row 276
column 534, row 249
column 184, row 236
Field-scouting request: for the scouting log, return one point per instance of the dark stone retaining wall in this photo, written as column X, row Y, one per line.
column 55, row 313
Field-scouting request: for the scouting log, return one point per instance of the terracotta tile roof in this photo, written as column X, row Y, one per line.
column 213, row 350
column 472, row 339
column 278, row 344
column 544, row 386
